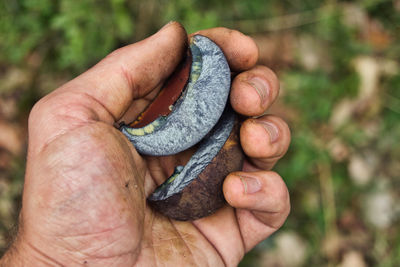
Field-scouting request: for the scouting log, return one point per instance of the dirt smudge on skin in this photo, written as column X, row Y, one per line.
column 171, row 240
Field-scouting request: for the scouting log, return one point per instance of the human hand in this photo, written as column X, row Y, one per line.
column 84, row 199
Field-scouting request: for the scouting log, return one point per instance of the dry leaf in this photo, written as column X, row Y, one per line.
column 368, row 102
column 353, row 259
column 380, row 209
column 342, row 113
column 331, row 246
column 312, row 53
column 10, row 138
column 338, row 150
column 354, row 16
column 362, row 168
column 15, row 78
column 290, row 251
column 275, row 50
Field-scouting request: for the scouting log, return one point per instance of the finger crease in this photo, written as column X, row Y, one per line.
column 129, row 80
column 183, row 240
column 212, row 244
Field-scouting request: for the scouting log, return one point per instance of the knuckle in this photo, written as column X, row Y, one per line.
column 115, row 57
column 281, row 219
column 38, row 110
column 281, row 200
column 115, row 54
column 280, row 193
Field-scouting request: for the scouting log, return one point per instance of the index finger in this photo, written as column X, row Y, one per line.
column 240, row 50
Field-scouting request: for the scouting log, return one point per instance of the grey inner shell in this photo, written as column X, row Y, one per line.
column 208, row 149
column 197, row 111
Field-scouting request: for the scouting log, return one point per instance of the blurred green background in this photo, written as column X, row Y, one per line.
column 338, row 63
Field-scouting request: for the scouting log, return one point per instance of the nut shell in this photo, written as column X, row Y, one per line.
column 203, row 196
column 198, row 109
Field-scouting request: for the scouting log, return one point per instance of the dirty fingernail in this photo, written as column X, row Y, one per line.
column 167, row 25
column 271, row 129
column 250, row 184
column 261, row 88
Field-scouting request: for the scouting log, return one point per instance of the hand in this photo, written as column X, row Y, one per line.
column 84, row 199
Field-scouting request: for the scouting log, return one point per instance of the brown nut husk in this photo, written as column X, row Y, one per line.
column 203, row 196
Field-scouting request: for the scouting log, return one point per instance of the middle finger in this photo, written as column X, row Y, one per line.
column 254, row 91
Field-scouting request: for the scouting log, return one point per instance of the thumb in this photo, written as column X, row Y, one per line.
column 105, row 92
column 132, row 71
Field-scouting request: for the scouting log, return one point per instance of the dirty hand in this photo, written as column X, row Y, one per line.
column 84, row 200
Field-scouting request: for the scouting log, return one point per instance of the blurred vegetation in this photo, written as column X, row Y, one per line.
column 338, row 64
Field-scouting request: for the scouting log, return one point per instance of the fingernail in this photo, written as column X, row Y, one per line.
column 251, row 185
column 167, row 25
column 271, row 129
column 261, row 88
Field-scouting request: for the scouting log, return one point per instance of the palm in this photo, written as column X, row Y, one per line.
column 105, row 206
column 176, row 243
column 184, row 243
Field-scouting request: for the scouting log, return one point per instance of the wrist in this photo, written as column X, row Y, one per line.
column 10, row 258
column 13, row 256
column 21, row 253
